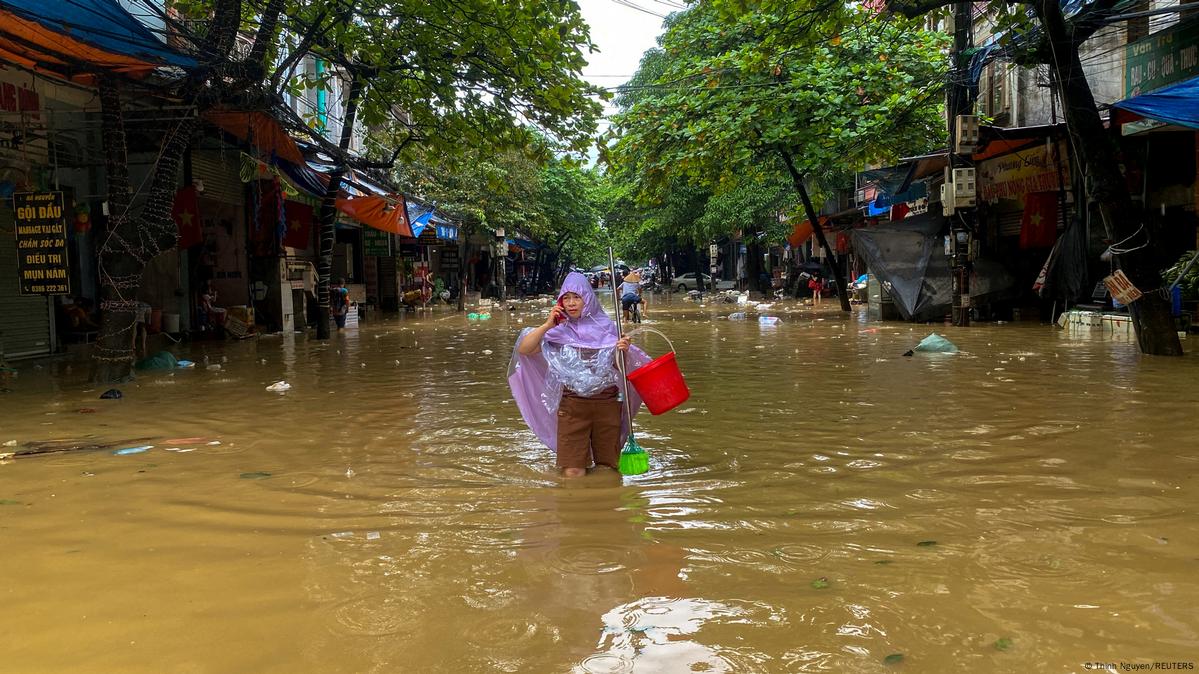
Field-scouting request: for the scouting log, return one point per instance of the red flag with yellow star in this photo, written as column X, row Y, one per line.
column 186, row 214
column 299, row 224
column 1038, row 228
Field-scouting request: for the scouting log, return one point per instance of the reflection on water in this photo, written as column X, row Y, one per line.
column 821, row 503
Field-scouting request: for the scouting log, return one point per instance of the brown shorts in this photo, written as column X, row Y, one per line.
column 589, row 430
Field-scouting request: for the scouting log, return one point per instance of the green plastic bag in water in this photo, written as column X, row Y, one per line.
column 935, row 343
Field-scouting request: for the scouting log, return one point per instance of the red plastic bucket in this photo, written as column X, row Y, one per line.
column 660, row 383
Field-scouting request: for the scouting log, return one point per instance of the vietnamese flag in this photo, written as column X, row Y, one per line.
column 267, row 226
column 186, row 214
column 299, row 224
column 1038, row 228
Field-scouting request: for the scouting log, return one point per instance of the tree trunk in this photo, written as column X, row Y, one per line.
column 462, row 276
column 120, row 274
column 328, row 219
column 753, row 267
column 1150, row 315
column 838, row 274
column 501, row 272
column 131, row 243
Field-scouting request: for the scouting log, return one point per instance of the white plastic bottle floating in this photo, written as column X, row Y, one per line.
column 279, row 387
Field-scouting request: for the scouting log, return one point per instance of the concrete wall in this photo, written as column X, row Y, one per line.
column 1028, row 92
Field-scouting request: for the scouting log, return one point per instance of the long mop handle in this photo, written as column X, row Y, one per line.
column 620, row 364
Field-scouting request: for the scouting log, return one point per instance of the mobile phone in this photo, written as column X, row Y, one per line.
column 557, row 317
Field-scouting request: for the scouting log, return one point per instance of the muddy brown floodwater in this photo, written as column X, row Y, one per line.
column 820, row 504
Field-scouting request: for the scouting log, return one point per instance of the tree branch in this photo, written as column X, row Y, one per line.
column 266, row 32
column 314, row 33
column 914, row 8
column 226, row 19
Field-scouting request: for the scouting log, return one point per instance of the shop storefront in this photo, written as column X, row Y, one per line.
column 28, row 326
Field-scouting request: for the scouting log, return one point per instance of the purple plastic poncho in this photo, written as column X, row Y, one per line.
column 578, row 354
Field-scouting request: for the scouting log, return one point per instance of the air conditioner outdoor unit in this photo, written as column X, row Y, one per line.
column 860, row 196
column 967, row 134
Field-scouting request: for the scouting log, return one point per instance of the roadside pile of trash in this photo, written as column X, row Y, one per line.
column 528, row 304
column 719, row 296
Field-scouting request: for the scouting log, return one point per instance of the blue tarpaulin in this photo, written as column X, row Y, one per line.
column 420, row 222
column 303, row 177
column 1175, row 104
column 523, row 243
column 103, row 24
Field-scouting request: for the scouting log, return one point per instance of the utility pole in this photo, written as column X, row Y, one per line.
column 960, row 102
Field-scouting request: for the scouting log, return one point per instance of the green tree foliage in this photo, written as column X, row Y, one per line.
column 571, row 196
column 483, row 190
column 735, row 84
column 548, row 197
column 446, row 75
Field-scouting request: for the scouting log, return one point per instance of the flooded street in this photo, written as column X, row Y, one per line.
column 822, row 503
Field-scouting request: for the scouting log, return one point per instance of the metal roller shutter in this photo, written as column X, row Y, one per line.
column 24, row 319
column 220, row 171
column 387, row 281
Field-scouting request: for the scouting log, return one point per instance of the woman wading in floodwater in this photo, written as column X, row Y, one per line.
column 566, row 384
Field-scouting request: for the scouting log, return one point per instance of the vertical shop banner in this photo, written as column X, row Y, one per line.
column 41, row 230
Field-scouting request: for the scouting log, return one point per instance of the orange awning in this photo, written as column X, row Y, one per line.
column 260, row 130
column 802, row 231
column 33, row 46
column 388, row 214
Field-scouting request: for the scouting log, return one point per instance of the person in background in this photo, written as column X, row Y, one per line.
column 215, row 314
column 339, row 302
column 141, row 327
column 79, row 314
column 630, row 294
column 816, row 285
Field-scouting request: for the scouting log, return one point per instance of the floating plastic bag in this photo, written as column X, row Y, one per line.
column 935, row 343
column 768, row 320
column 163, row 360
column 738, row 316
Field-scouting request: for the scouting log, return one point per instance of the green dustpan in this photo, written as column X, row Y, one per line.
column 633, row 459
